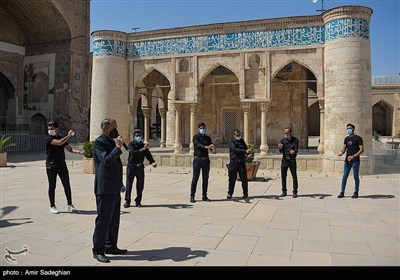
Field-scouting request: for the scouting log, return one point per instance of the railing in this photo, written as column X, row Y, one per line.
column 25, row 142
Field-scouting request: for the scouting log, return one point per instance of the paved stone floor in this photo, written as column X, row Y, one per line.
column 315, row 229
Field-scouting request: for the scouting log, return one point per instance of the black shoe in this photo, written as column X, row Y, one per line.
column 341, row 195
column 192, row 199
column 294, row 195
column 127, row 204
column 137, row 204
column 229, row 196
column 355, row 195
column 205, row 198
column 101, row 258
column 245, row 196
column 116, row 251
column 283, row 194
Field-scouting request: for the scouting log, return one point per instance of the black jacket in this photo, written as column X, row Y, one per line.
column 108, row 166
column 199, row 142
column 292, row 144
column 237, row 149
column 135, row 156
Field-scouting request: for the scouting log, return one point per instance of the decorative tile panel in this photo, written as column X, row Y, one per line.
column 317, row 35
column 347, row 28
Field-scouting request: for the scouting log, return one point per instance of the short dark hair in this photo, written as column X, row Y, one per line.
column 202, row 124
column 290, row 129
column 106, row 122
column 137, row 130
column 236, row 130
column 352, row 125
column 53, row 123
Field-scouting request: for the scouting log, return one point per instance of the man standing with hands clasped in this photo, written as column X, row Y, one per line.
column 202, row 143
column 137, row 152
column 353, row 145
column 289, row 147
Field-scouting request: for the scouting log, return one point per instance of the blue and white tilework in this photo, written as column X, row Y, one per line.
column 317, row 35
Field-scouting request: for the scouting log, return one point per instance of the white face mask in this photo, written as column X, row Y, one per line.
column 238, row 138
column 52, row 132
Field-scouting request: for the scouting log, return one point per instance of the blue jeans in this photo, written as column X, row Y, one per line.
column 356, row 169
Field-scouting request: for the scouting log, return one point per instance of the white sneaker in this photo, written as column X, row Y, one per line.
column 71, row 209
column 54, row 210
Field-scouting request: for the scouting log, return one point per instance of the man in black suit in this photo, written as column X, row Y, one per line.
column 107, row 188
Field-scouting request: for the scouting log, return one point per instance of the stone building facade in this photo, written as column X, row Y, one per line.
column 45, row 65
column 312, row 73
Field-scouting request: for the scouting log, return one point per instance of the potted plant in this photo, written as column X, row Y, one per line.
column 3, row 145
column 88, row 164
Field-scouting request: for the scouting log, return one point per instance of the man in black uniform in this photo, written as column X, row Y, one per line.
column 202, row 143
column 237, row 154
column 289, row 147
column 107, row 187
column 137, row 152
column 56, row 165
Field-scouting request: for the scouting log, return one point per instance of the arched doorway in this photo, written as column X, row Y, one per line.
column 219, row 104
column 292, row 87
column 6, row 93
column 382, row 115
column 38, row 124
column 153, row 90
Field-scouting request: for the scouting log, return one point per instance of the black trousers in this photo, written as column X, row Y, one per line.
column 233, row 169
column 289, row 164
column 133, row 171
column 62, row 172
column 107, row 222
column 204, row 166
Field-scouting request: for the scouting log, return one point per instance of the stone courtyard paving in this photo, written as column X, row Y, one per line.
column 315, row 229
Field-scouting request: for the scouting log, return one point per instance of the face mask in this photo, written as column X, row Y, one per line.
column 138, row 138
column 202, row 131
column 52, row 132
column 238, row 137
column 114, row 133
column 349, row 131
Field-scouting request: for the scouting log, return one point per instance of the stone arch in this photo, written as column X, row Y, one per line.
column 39, row 87
column 382, row 118
column 295, row 61
column 291, row 90
column 38, row 124
column 219, row 103
column 7, row 92
column 212, row 68
column 184, row 65
column 254, row 61
column 313, row 119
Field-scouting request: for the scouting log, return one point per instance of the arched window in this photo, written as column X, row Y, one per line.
column 184, row 65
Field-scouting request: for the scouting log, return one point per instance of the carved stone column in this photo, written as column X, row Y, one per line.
column 146, row 114
column 246, row 129
column 193, row 108
column 178, row 143
column 321, row 147
column 163, row 114
column 264, row 145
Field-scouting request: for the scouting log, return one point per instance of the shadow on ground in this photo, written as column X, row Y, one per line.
column 176, row 254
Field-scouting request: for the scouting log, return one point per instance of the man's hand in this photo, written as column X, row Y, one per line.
column 71, row 133
column 280, row 145
column 120, row 141
column 154, row 164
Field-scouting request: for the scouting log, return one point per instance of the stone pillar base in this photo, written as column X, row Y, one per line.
column 336, row 165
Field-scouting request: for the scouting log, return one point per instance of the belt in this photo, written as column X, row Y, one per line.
column 237, row 160
column 136, row 164
column 202, row 158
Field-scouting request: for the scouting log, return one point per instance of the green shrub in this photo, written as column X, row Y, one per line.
column 88, row 147
column 250, row 157
column 4, row 143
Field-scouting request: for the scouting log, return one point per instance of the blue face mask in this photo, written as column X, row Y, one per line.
column 349, row 131
column 138, row 138
column 202, row 131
